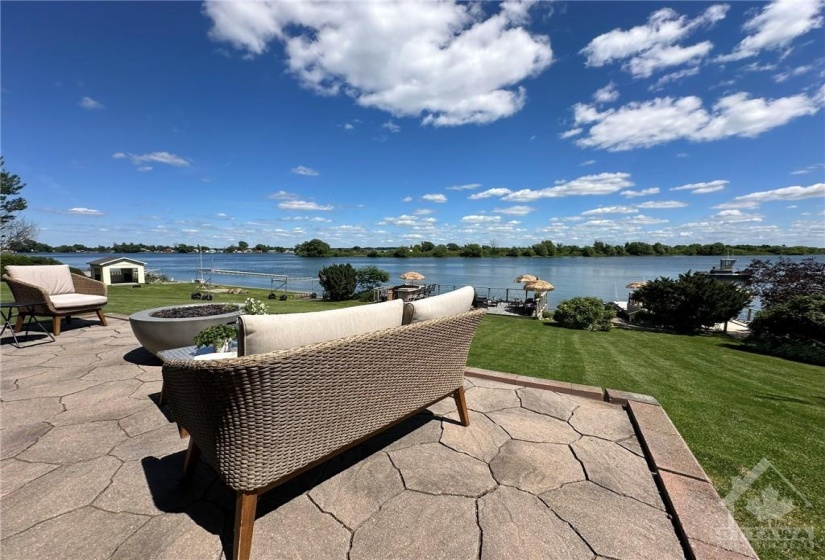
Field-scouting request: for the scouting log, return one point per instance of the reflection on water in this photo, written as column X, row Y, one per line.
column 605, row 278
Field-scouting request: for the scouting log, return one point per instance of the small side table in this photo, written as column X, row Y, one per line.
column 7, row 310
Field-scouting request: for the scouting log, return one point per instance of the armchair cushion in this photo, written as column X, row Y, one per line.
column 259, row 334
column 56, row 279
column 451, row 303
column 70, row 301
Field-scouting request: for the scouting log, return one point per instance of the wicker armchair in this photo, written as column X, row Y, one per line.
column 58, row 293
column 262, row 419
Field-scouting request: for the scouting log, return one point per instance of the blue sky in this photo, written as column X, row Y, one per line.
column 379, row 124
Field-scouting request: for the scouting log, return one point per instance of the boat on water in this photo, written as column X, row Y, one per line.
column 726, row 273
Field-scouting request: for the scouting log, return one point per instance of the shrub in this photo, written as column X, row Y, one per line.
column 15, row 259
column 691, row 302
column 584, row 313
column 794, row 330
column 313, row 248
column 338, row 281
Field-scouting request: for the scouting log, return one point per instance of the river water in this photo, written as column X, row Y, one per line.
column 604, row 278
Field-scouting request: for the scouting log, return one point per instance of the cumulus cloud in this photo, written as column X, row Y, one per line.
column 391, row 126
column 480, row 219
column 434, row 198
column 83, row 212
column 643, row 192
column 467, row 187
column 603, row 183
column 662, row 120
column 517, row 210
column 610, row 210
column 753, row 200
column 703, row 188
column 607, row 94
column 673, row 77
column 407, row 199
column 662, row 204
column 283, row 195
column 307, row 171
column 653, row 46
column 498, row 191
column 89, row 103
column 155, row 157
column 776, row 26
column 303, row 205
column 442, row 63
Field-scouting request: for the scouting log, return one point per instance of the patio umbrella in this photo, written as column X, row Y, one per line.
column 541, row 287
column 411, row 275
column 635, row 285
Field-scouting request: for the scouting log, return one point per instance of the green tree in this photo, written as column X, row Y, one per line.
column 692, row 302
column 338, row 281
column 472, row 250
column 14, row 231
column 243, row 245
column 793, row 329
column 427, row 246
column 370, row 276
column 313, row 248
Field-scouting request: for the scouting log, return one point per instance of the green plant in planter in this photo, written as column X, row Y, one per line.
column 217, row 336
column 254, row 306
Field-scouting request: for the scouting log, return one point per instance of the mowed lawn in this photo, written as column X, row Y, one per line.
column 734, row 408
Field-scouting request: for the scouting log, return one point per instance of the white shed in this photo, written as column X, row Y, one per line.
column 118, row 270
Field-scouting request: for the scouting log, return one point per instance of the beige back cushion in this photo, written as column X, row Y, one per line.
column 267, row 333
column 444, row 305
column 54, row 278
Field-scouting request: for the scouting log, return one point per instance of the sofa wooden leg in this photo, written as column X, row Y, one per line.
column 190, row 462
column 56, row 326
column 245, row 505
column 461, row 404
column 102, row 317
column 18, row 326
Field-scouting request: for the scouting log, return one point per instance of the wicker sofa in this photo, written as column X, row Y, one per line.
column 308, row 386
column 59, row 293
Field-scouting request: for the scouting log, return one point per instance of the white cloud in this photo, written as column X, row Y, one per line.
column 643, row 192
column 703, row 188
column 467, row 187
column 588, row 162
column 348, row 126
column 610, row 210
column 661, row 204
column 787, row 193
column 307, row 171
column 662, row 120
column 423, row 212
column 303, row 205
column 792, row 73
column 603, row 183
column 89, row 103
column 673, row 76
column 155, row 157
column 736, row 216
column 442, row 63
column 808, row 169
column 305, row 219
column 570, row 133
column 407, row 199
column 517, row 210
column 499, row 191
column 391, row 126
column 84, row 212
column 283, row 195
column 776, row 26
column 607, row 94
column 434, row 198
column 650, row 47
column 144, row 168
column 477, row 219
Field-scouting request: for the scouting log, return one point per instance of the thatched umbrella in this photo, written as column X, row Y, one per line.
column 540, row 287
column 412, row 275
column 636, row 285
column 525, row 278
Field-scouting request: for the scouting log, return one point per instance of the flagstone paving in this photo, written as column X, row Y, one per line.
column 90, row 468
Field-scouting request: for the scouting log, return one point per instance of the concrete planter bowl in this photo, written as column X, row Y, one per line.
column 160, row 333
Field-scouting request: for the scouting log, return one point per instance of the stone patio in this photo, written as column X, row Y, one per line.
column 90, row 468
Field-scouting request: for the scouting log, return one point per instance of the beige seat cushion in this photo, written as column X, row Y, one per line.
column 267, row 333
column 444, row 305
column 70, row 301
column 54, row 278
